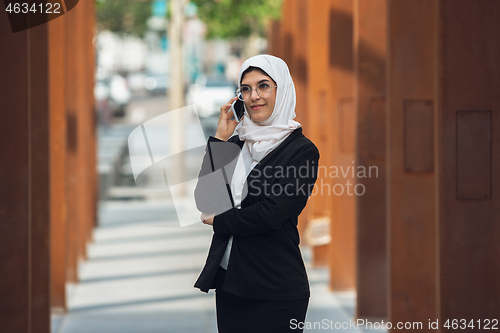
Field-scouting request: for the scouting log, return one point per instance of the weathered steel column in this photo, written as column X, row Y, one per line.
column 24, row 175
column 88, row 114
column 83, row 129
column 319, row 112
column 343, row 127
column 298, row 63
column 298, row 68
column 411, row 172
column 274, row 37
column 370, row 43
column 74, row 161
column 287, row 20
column 468, row 161
column 56, row 34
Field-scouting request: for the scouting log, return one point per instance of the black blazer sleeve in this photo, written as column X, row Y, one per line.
column 269, row 213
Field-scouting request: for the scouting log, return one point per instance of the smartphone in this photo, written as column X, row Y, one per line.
column 238, row 109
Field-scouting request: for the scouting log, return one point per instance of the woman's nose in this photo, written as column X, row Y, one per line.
column 254, row 95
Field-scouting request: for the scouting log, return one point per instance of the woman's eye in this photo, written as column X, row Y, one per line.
column 245, row 89
column 264, row 85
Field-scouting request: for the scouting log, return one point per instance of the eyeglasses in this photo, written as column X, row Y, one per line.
column 263, row 90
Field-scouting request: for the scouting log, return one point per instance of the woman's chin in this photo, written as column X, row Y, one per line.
column 258, row 117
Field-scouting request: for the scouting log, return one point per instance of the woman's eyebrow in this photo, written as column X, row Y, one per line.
column 264, row 80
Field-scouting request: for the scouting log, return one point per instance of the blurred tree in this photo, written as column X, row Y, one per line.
column 123, row 16
column 237, row 18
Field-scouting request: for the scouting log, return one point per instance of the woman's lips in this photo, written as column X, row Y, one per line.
column 256, row 107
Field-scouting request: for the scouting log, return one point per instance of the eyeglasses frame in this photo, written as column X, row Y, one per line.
column 252, row 89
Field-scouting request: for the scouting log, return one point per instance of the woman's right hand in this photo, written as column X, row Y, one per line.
column 226, row 126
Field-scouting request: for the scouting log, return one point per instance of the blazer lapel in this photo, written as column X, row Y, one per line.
column 275, row 152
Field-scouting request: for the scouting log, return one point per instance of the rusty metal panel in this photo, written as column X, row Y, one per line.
column 418, row 136
column 474, row 167
column 347, row 125
column 376, row 130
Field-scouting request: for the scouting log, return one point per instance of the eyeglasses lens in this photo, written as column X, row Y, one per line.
column 264, row 91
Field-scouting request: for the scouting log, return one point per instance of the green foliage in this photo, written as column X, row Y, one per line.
column 123, row 16
column 237, row 18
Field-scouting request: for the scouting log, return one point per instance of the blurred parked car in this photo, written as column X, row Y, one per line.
column 101, row 95
column 136, row 81
column 209, row 94
column 119, row 94
column 156, row 83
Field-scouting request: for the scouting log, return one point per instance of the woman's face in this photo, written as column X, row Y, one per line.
column 259, row 108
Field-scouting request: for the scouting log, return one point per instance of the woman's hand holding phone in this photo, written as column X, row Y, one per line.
column 226, row 126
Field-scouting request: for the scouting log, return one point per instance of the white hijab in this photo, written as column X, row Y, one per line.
column 262, row 137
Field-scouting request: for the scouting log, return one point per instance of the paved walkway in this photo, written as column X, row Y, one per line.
column 140, row 274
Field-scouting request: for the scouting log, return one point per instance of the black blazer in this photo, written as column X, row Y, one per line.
column 265, row 260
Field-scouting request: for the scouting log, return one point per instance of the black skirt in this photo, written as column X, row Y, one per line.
column 237, row 314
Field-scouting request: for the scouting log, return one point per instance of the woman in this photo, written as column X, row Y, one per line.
column 254, row 261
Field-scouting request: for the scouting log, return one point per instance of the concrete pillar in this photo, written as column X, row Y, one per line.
column 370, row 43
column 24, row 194
column 468, row 161
column 343, row 128
column 411, row 168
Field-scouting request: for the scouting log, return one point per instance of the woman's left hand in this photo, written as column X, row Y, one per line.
column 207, row 219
